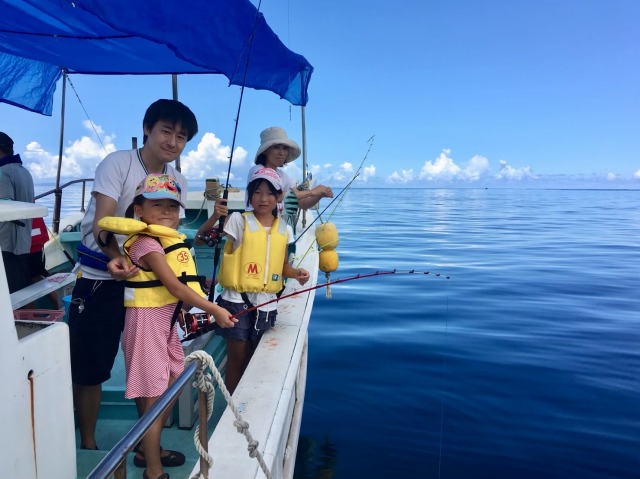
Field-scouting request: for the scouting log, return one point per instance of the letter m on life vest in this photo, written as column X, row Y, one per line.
column 252, row 269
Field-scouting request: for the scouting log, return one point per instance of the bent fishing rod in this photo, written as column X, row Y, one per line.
column 217, row 239
column 344, row 190
column 204, row 327
column 325, row 209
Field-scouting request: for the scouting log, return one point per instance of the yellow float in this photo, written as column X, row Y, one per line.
column 327, row 238
column 328, row 260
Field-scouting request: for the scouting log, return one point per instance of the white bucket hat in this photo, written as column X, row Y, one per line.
column 277, row 136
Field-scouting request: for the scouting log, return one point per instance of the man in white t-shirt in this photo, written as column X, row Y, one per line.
column 96, row 316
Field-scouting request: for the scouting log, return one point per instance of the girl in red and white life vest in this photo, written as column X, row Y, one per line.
column 254, row 264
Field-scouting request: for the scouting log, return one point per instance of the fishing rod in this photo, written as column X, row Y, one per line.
column 217, row 238
column 366, row 155
column 319, row 216
column 201, row 326
column 325, row 209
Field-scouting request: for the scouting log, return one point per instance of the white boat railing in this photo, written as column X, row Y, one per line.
column 115, row 458
column 57, row 192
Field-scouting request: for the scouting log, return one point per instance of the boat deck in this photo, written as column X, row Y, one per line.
column 118, row 415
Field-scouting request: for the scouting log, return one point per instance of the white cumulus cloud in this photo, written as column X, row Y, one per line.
column 404, row 176
column 79, row 158
column 211, row 159
column 442, row 168
column 636, row 175
column 508, row 172
column 476, row 167
column 367, row 173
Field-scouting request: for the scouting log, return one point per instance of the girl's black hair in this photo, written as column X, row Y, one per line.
column 253, row 186
column 138, row 200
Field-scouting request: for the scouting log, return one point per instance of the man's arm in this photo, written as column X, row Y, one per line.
column 6, row 188
column 105, row 206
column 118, row 267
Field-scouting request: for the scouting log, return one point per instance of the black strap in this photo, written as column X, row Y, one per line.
column 245, row 298
column 176, row 246
column 176, row 312
column 107, row 240
column 152, row 283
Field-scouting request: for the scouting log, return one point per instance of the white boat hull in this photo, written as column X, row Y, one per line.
column 270, row 394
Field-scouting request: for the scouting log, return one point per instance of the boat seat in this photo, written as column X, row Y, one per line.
column 40, row 289
column 70, row 237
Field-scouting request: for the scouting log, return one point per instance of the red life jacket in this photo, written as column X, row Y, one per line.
column 39, row 234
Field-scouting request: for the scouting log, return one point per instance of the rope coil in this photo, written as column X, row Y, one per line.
column 203, row 381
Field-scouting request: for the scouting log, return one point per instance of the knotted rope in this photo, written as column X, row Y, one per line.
column 203, row 382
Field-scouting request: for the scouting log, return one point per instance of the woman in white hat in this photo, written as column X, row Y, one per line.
column 275, row 151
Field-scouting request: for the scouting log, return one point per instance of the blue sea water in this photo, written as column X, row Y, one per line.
column 525, row 363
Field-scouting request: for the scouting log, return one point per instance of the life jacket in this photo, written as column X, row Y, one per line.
column 39, row 235
column 145, row 289
column 256, row 265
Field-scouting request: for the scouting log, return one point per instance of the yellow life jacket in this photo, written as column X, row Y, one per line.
column 256, row 265
column 145, row 289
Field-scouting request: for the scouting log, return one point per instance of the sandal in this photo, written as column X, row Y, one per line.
column 164, row 475
column 172, row 459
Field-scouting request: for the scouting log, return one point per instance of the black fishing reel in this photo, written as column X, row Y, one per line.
column 196, row 324
column 211, row 237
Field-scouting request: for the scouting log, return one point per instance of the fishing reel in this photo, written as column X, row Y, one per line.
column 211, row 237
column 196, row 324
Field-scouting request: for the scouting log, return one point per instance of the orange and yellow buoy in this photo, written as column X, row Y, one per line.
column 327, row 238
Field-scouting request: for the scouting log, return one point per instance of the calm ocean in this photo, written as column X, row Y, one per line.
column 524, row 364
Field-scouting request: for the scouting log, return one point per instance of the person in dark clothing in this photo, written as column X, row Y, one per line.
column 16, row 184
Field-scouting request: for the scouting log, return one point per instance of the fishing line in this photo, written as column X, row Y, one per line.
column 93, row 126
column 209, row 326
column 337, row 281
column 370, row 140
column 442, row 386
column 311, row 245
column 225, row 194
column 66, row 253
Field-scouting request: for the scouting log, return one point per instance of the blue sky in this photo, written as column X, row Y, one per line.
column 460, row 93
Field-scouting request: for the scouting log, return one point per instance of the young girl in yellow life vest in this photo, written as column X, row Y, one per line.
column 254, row 264
column 167, row 275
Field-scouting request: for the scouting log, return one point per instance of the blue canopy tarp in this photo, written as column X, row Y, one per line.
column 40, row 38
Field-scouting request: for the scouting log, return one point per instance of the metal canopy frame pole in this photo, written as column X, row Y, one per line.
column 174, row 91
column 304, row 160
column 58, row 192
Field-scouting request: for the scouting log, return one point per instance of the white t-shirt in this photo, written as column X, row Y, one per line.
column 287, row 184
column 234, row 227
column 117, row 177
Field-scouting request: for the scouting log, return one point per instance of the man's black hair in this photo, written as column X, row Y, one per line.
column 172, row 111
